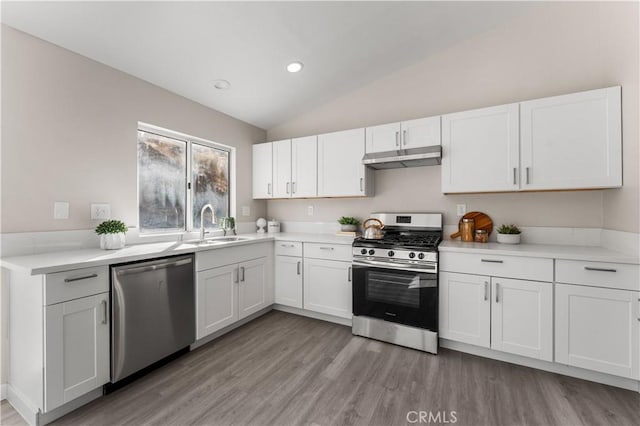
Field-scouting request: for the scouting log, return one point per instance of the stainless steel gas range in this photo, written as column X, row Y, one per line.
column 395, row 281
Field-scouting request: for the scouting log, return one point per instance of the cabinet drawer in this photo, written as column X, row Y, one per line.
column 328, row 251
column 69, row 285
column 526, row 268
column 222, row 256
column 600, row 274
column 288, row 248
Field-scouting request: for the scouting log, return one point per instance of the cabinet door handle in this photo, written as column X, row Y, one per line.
column 298, row 266
column 350, row 274
column 86, row 277
column 326, row 248
column 497, row 293
column 397, row 138
column 293, row 187
column 491, row 261
column 589, row 268
column 404, row 137
column 268, row 189
column 515, row 175
column 287, row 245
column 486, row 290
column 242, row 273
column 104, row 312
column 288, row 187
column 527, row 174
column 361, row 182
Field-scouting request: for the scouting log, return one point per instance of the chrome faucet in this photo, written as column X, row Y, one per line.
column 213, row 219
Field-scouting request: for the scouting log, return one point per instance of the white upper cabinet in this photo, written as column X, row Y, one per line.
column 385, row 137
column 304, row 167
column 282, row 169
column 340, row 169
column 572, row 141
column 405, row 135
column 480, row 150
column 263, row 170
column 420, row 132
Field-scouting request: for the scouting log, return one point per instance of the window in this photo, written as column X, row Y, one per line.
column 177, row 176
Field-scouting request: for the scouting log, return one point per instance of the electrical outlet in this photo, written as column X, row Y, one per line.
column 246, row 211
column 310, row 210
column 61, row 210
column 461, row 209
column 100, row 211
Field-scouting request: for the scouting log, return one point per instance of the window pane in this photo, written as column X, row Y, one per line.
column 210, row 179
column 162, row 183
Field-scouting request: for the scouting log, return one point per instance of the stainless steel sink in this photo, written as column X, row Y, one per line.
column 217, row 240
column 226, row 239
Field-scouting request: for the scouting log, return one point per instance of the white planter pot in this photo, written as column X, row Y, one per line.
column 112, row 241
column 348, row 228
column 509, row 238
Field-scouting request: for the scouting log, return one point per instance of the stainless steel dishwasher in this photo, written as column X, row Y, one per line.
column 152, row 312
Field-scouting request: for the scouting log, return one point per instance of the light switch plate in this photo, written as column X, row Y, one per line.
column 100, row 211
column 461, row 209
column 246, row 211
column 310, row 210
column 61, row 210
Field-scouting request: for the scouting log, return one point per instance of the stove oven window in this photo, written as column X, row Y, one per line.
column 393, row 289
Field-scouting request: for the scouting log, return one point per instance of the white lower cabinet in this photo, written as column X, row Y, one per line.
column 508, row 315
column 230, row 293
column 327, row 287
column 289, row 281
column 76, row 348
column 598, row 329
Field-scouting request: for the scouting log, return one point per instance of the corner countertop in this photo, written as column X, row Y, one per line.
column 565, row 252
column 58, row 261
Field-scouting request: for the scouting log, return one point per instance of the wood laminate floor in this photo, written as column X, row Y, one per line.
column 283, row 369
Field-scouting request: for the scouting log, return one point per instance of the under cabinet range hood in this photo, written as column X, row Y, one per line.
column 414, row 157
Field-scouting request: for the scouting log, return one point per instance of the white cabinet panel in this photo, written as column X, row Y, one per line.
column 526, row 268
column 598, row 329
column 76, row 348
column 327, row 287
column 282, row 169
column 600, row 274
column 385, row 137
column 340, row 169
column 465, row 308
column 572, row 141
column 216, row 299
column 480, row 150
column 420, row 132
column 522, row 317
column 263, row 170
column 252, row 287
column 304, row 167
column 289, row 281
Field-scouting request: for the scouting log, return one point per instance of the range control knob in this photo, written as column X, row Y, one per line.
column 363, row 251
column 372, row 252
column 421, row 256
column 391, row 253
column 412, row 255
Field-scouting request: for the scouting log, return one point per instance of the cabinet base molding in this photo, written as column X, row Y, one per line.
column 35, row 417
column 243, row 321
column 551, row 367
column 312, row 314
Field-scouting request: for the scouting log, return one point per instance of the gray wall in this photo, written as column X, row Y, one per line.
column 557, row 48
column 69, row 134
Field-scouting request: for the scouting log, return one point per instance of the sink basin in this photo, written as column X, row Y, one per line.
column 226, row 239
column 218, row 240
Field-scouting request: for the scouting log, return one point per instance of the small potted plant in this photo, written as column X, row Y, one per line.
column 509, row 234
column 348, row 224
column 112, row 234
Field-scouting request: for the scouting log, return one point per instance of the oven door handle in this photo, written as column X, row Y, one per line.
column 399, row 266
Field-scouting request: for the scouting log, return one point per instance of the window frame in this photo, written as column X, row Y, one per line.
column 189, row 140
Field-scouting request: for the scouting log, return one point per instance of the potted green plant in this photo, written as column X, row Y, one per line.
column 348, row 224
column 112, row 234
column 509, row 234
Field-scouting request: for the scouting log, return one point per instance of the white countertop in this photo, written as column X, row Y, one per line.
column 586, row 253
column 45, row 263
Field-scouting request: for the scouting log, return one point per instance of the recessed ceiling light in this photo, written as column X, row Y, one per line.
column 294, row 66
column 221, row 84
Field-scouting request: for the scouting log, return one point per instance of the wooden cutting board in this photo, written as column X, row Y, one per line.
column 481, row 220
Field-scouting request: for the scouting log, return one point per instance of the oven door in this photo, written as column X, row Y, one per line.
column 402, row 293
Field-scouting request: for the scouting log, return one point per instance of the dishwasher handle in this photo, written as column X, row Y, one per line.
column 161, row 264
